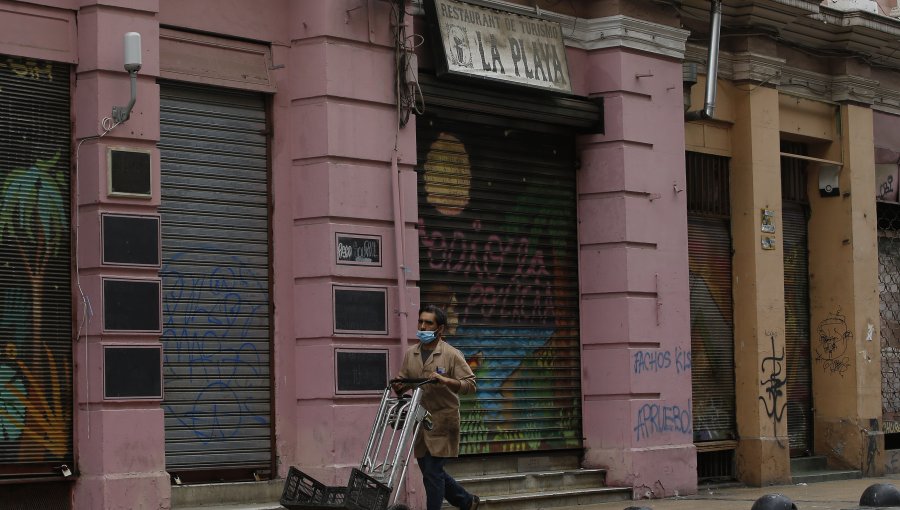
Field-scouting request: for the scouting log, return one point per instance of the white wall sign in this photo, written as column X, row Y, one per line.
column 502, row 46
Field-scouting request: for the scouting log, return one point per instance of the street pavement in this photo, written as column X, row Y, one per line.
column 836, row 495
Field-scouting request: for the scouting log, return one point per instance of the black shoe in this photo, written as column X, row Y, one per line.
column 475, row 502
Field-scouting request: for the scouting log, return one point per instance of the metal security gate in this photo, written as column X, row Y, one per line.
column 711, row 360
column 215, row 252
column 35, row 270
column 498, row 250
column 796, row 303
column 889, row 293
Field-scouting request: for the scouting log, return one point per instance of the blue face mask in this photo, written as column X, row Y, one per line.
column 426, row 337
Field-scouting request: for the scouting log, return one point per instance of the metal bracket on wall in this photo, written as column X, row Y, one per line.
column 658, row 300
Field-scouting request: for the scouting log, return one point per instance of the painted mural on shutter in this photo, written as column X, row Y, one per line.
column 35, row 268
column 498, row 250
column 796, row 302
column 711, row 359
column 215, row 249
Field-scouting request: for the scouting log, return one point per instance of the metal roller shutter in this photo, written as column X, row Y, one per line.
column 798, row 364
column 215, row 252
column 498, row 250
column 712, row 308
column 35, row 268
column 712, row 328
column 797, row 340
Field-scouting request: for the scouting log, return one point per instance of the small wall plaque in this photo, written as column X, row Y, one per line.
column 131, row 305
column 768, row 243
column 768, row 221
column 360, row 310
column 132, row 372
column 129, row 172
column 360, row 371
column 130, row 240
column 357, row 249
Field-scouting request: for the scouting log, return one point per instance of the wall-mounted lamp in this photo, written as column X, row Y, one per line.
column 132, row 65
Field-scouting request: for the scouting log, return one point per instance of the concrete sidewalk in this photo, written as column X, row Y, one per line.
column 837, row 495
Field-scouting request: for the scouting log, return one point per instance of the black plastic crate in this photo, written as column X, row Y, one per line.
column 303, row 492
column 366, row 493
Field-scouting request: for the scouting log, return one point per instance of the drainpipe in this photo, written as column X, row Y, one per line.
column 402, row 306
column 712, row 67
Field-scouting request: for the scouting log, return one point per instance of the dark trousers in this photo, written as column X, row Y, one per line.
column 439, row 485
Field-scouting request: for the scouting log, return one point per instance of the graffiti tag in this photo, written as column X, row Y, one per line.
column 656, row 361
column 834, row 336
column 657, row 419
column 207, row 330
column 773, row 367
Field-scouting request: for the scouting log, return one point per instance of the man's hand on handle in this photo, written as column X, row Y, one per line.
column 453, row 385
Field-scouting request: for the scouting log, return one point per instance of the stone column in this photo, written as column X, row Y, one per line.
column 843, row 265
column 758, row 288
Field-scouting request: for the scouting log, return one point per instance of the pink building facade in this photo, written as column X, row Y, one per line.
column 209, row 288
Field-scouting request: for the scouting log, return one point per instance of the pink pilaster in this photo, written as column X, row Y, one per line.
column 339, row 107
column 635, row 326
column 119, row 444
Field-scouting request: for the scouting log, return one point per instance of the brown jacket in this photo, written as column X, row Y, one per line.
column 440, row 401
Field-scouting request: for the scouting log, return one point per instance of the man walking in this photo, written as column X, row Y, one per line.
column 433, row 358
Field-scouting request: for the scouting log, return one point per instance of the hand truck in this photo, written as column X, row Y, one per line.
column 384, row 462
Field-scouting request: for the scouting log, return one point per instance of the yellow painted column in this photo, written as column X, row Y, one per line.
column 843, row 266
column 758, row 286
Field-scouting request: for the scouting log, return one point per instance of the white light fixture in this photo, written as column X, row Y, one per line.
column 132, row 65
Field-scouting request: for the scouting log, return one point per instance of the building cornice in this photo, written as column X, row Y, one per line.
column 599, row 33
column 772, row 71
column 626, row 32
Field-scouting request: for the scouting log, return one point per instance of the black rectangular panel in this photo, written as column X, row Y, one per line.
column 131, row 305
column 132, row 372
column 359, row 250
column 358, row 309
column 129, row 172
column 131, row 240
column 358, row 371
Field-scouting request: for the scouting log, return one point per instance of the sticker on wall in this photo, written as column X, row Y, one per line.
column 768, row 243
column 767, row 224
column 357, row 249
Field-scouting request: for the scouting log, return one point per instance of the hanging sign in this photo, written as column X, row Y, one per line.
column 497, row 45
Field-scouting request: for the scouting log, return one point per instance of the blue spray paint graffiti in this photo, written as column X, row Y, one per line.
column 657, row 419
column 210, row 355
column 659, row 360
